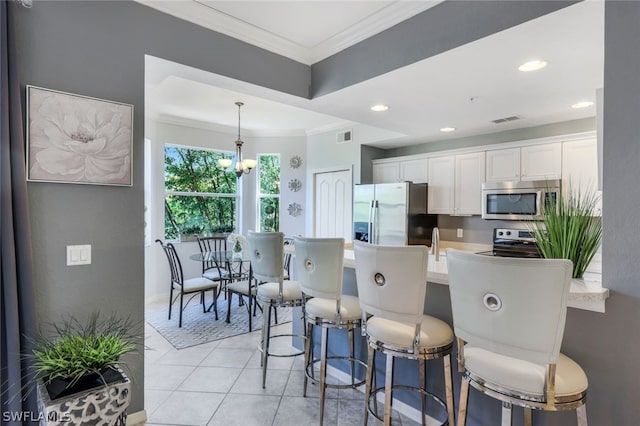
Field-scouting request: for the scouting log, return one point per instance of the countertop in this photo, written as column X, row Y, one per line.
column 586, row 293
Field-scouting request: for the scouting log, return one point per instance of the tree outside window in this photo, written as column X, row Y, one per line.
column 200, row 197
column 269, row 192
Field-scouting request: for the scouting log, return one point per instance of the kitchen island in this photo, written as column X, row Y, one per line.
column 586, row 293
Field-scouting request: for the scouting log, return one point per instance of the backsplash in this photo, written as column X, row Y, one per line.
column 476, row 229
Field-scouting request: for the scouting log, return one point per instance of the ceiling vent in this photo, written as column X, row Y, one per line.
column 506, row 119
column 344, row 137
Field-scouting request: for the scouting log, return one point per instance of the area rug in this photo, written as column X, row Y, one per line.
column 198, row 327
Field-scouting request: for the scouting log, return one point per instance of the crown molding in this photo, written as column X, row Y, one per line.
column 220, row 128
column 373, row 24
column 206, row 16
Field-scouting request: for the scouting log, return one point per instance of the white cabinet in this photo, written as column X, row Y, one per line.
column 533, row 162
column 441, row 171
column 386, row 172
column 503, row 165
column 580, row 168
column 541, row 161
column 455, row 184
column 468, row 183
column 414, row 170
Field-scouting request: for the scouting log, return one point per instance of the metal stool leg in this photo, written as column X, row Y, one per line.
column 422, row 372
column 323, row 370
column 581, row 413
column 351, row 355
column 308, row 356
column 388, row 391
column 448, row 383
column 371, row 372
column 266, row 325
column 506, row 414
column 464, row 397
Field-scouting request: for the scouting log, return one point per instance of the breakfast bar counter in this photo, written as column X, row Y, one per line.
column 587, row 293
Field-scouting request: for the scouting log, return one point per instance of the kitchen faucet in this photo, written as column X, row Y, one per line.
column 435, row 243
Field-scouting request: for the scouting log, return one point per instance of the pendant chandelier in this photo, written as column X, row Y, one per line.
column 238, row 165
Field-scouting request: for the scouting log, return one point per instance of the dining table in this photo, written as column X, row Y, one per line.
column 237, row 266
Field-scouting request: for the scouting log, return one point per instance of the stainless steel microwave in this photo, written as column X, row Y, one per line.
column 518, row 200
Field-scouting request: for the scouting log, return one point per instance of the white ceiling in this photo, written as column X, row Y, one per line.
column 464, row 88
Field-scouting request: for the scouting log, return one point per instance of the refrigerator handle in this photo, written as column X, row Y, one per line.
column 370, row 224
column 374, row 225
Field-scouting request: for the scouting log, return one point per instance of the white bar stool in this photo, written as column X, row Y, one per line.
column 392, row 284
column 509, row 316
column 267, row 257
column 319, row 264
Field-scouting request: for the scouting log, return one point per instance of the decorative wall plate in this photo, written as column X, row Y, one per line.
column 295, row 162
column 294, row 209
column 295, row 185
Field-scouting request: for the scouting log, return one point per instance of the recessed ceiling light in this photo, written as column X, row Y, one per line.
column 532, row 65
column 447, row 129
column 582, row 104
column 379, row 108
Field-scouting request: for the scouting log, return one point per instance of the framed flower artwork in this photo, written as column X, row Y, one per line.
column 78, row 139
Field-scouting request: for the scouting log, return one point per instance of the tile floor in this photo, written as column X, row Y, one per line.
column 218, row 383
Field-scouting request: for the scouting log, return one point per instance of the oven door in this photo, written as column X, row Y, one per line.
column 512, row 204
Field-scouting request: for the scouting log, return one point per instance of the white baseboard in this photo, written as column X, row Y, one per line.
column 403, row 408
column 137, row 418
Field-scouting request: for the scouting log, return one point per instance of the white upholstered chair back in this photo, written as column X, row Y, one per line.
column 267, row 255
column 319, row 263
column 392, row 280
column 515, row 307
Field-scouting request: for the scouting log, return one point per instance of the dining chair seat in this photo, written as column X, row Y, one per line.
column 216, row 275
column 196, row 284
column 326, row 308
column 242, row 287
column 434, row 333
column 500, row 371
column 270, row 291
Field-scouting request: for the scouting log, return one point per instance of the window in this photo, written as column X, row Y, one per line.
column 269, row 192
column 200, row 197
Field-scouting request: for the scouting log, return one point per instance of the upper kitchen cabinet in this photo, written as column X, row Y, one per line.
column 386, row 171
column 533, row 162
column 390, row 171
column 455, row 184
column 580, row 167
column 414, row 170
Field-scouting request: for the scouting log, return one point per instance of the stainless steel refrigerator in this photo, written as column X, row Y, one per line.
column 392, row 214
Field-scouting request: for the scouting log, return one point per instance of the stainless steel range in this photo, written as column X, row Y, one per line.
column 509, row 242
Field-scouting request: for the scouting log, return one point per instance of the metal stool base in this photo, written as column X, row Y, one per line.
column 441, row 403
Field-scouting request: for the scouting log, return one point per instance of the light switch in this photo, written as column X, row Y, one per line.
column 79, row 255
column 460, row 233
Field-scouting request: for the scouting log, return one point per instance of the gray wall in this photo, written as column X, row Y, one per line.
column 446, row 26
column 97, row 49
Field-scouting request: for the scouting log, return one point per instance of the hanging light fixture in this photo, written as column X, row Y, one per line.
column 238, row 165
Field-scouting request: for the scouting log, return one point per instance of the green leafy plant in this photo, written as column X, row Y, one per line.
column 570, row 229
column 77, row 349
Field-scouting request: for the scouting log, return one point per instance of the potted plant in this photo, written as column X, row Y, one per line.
column 78, row 371
column 570, row 229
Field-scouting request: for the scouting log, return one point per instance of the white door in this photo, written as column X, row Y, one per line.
column 414, row 170
column 333, row 204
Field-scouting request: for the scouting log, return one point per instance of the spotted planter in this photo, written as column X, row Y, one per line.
column 102, row 405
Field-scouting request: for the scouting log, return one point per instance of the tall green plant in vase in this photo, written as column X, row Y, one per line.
column 570, row 229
